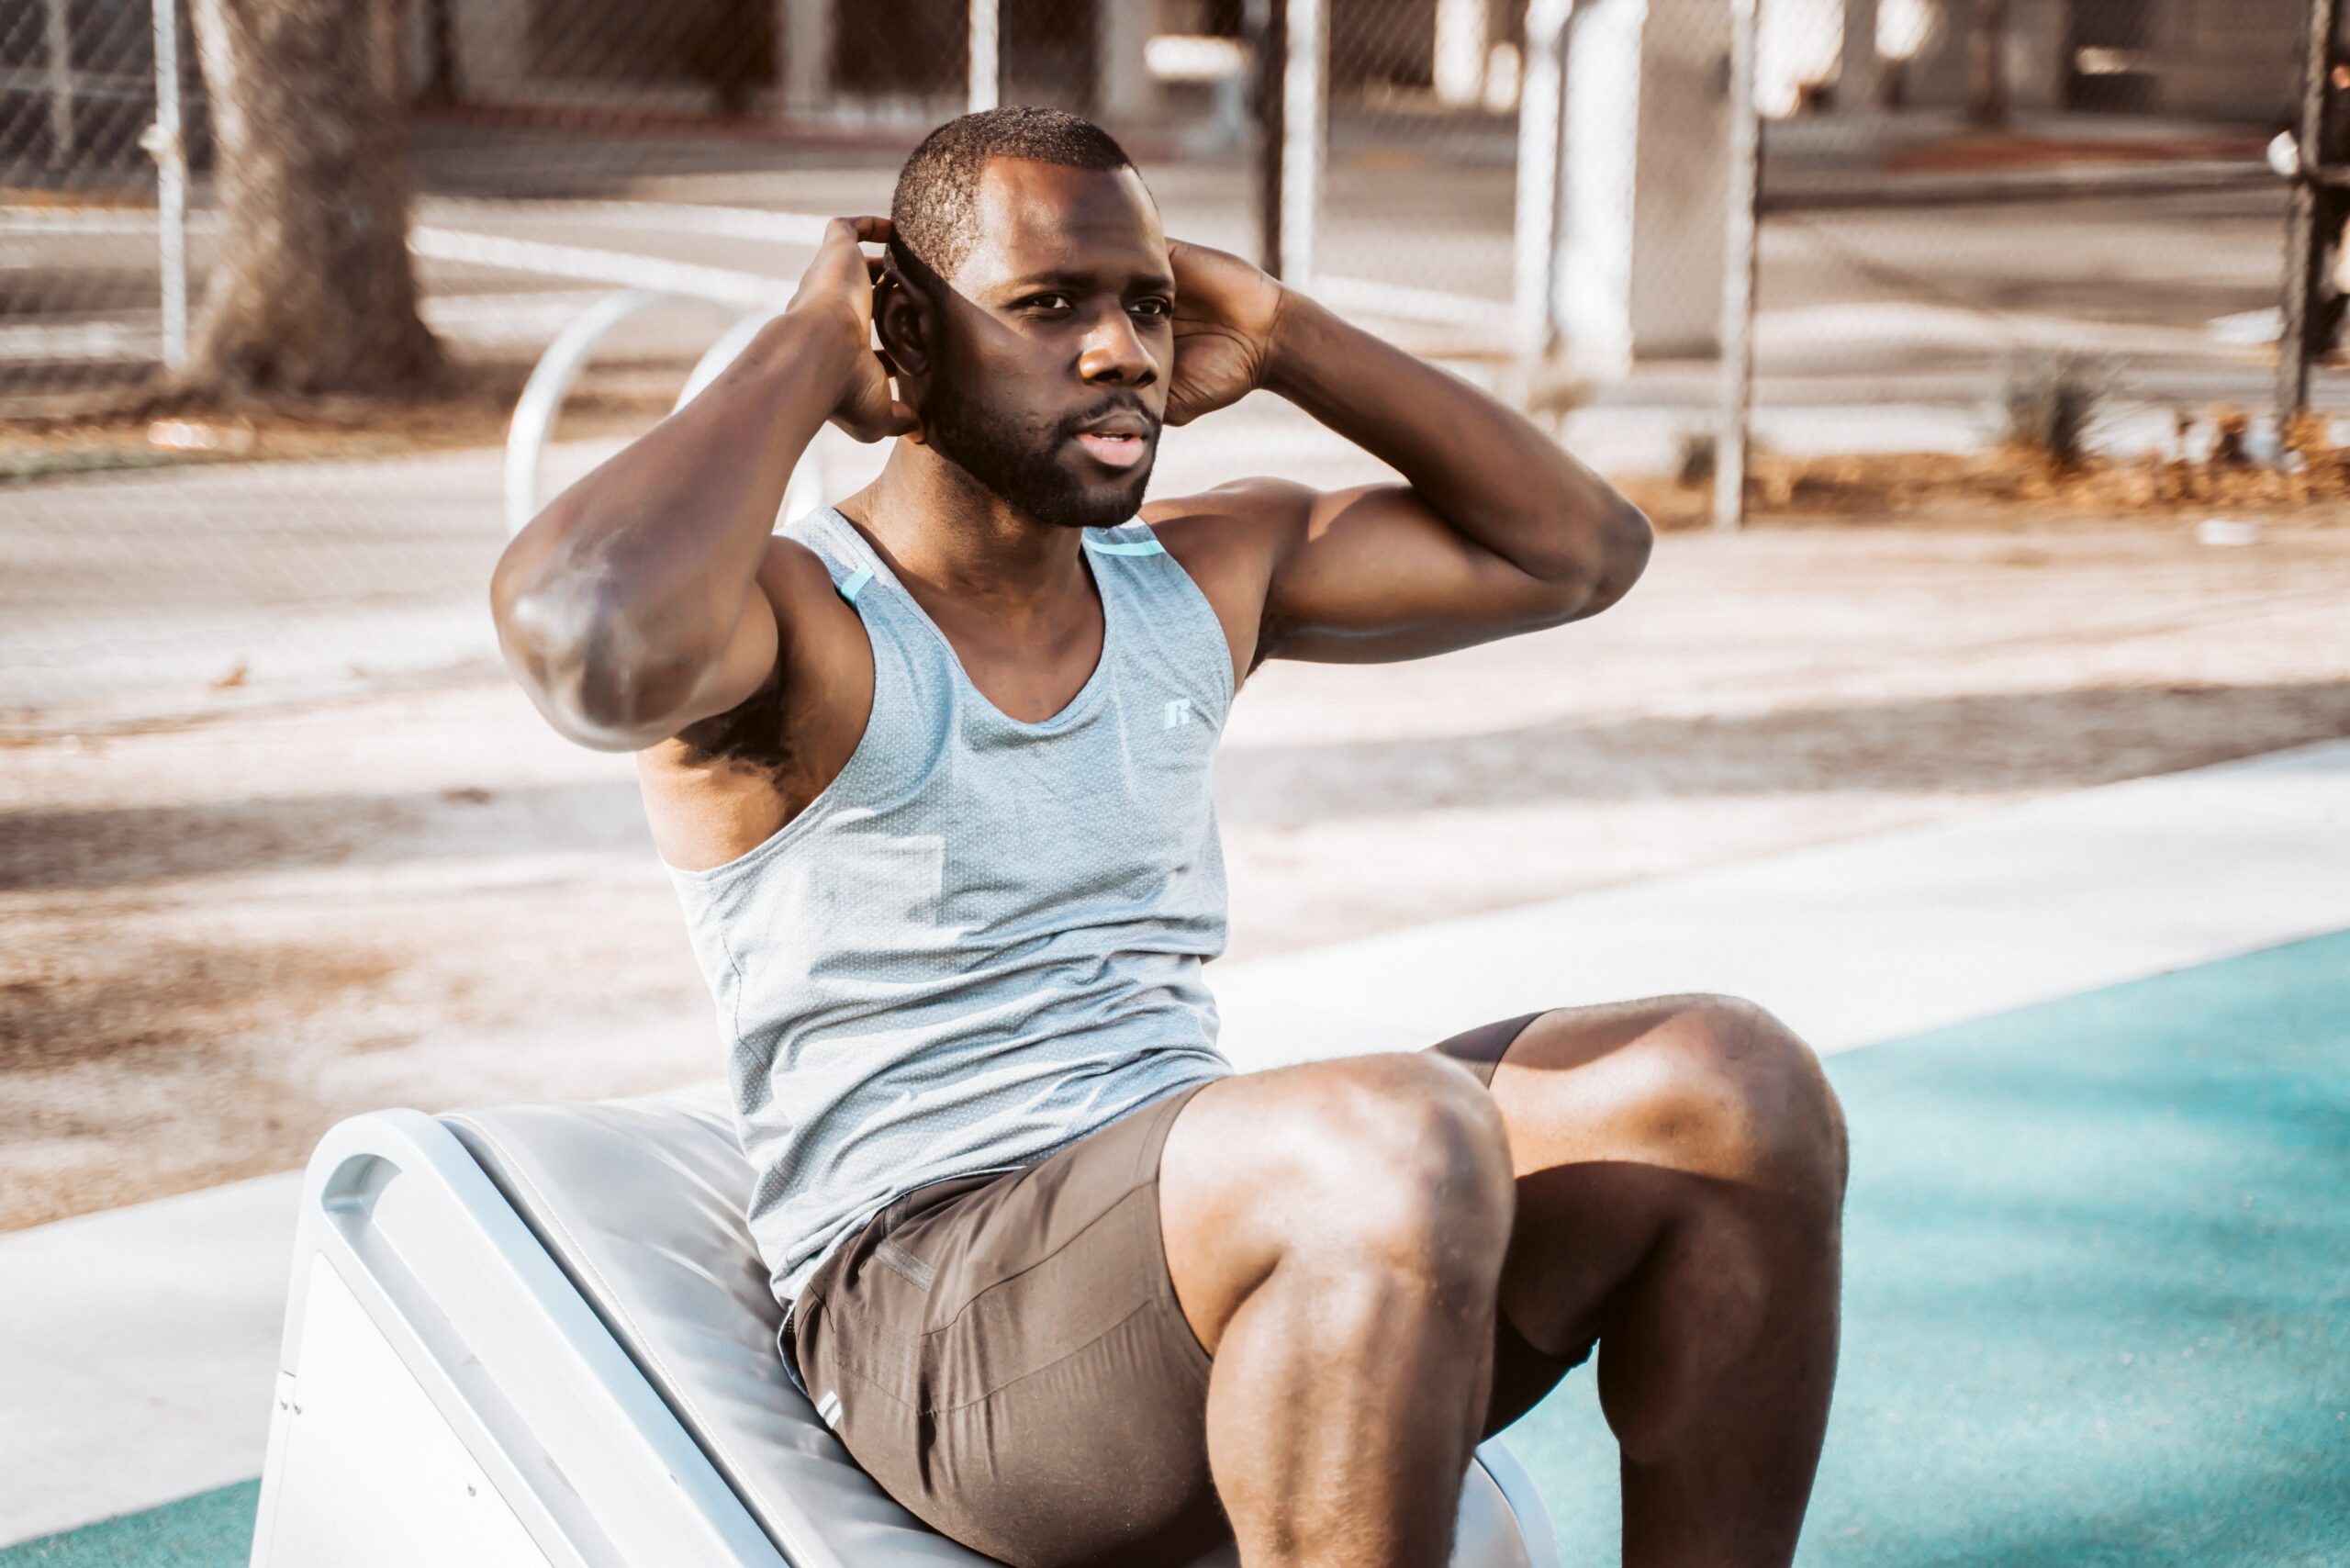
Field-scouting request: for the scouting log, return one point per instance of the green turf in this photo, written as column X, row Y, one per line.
column 2097, row 1293
column 2098, row 1299
column 211, row 1529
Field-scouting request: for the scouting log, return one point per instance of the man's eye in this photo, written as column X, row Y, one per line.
column 1045, row 301
column 1155, row 306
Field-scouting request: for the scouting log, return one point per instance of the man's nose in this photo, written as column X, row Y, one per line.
column 1114, row 352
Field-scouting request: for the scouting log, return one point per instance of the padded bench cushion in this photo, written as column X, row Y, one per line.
column 640, row 1202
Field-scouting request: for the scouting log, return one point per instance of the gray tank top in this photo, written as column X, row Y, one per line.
column 983, row 939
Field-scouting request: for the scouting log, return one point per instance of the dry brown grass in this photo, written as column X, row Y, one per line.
column 1985, row 489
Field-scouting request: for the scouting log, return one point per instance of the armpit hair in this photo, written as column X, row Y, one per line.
column 749, row 735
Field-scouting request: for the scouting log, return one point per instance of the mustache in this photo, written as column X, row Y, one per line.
column 1103, row 409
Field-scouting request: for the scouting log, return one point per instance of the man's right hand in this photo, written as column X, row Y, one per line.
column 838, row 286
column 634, row 604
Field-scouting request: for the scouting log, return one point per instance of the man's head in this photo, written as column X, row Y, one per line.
column 1032, row 324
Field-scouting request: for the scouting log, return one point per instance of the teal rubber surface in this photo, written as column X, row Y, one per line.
column 2097, row 1290
column 2097, row 1300
column 211, row 1529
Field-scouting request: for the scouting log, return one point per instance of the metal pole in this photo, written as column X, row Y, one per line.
column 807, row 29
column 1540, row 121
column 1303, row 115
column 1738, row 276
column 1267, row 25
column 2304, row 245
column 1858, row 75
column 985, row 89
column 168, row 146
column 58, row 33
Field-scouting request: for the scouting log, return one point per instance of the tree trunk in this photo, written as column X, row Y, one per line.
column 1986, row 65
column 312, row 293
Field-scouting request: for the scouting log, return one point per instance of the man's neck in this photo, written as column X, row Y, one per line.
column 942, row 532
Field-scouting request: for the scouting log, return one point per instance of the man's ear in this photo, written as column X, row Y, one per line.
column 905, row 322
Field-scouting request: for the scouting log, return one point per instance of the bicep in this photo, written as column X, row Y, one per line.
column 1375, row 574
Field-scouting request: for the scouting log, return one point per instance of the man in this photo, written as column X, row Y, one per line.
column 931, row 771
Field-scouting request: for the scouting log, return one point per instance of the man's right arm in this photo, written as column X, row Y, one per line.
column 631, row 607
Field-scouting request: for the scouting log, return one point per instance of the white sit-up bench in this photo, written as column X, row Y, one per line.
column 540, row 1335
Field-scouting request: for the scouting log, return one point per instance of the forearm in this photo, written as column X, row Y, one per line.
column 651, row 558
column 1486, row 469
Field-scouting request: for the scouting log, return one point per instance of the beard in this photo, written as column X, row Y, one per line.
column 1027, row 464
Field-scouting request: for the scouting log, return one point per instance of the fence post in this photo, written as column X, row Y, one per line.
column 58, row 39
column 806, row 29
column 166, row 142
column 1266, row 22
column 1739, row 272
column 1304, row 113
column 1540, row 123
column 2304, row 244
column 985, row 88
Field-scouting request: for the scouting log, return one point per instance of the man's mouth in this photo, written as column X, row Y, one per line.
column 1116, row 449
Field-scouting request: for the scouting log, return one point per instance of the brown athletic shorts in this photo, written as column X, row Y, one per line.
column 1004, row 1353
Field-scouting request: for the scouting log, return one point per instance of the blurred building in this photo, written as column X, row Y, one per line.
column 2233, row 59
column 2204, row 59
column 76, row 76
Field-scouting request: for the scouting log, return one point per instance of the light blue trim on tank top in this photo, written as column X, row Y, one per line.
column 1137, row 547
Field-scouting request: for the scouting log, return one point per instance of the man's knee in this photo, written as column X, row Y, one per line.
column 1738, row 1094
column 1401, row 1162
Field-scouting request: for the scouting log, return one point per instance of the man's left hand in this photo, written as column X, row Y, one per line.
column 1226, row 313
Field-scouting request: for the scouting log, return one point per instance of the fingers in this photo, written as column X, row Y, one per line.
column 875, row 413
column 891, row 419
column 865, row 230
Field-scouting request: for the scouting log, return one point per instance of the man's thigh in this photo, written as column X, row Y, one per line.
column 1250, row 1144
column 1007, row 1358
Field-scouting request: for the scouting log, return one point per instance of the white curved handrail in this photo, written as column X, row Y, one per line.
column 804, row 492
column 722, row 353
column 550, row 382
column 559, row 366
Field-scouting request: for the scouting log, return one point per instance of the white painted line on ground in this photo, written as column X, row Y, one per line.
column 141, row 1349
column 2248, row 328
column 781, row 227
column 621, row 269
column 1868, row 940
column 1403, row 302
column 143, row 1341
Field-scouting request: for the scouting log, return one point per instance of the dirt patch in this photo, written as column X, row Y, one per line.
column 1992, row 150
column 134, row 1002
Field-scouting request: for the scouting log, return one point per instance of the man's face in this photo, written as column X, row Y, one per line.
column 1048, row 382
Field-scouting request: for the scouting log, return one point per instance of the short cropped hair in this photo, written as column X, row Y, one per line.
column 934, row 211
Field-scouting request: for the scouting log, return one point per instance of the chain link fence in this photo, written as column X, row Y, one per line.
column 2078, row 212
column 1952, row 198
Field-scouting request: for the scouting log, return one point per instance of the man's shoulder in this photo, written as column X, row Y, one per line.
column 1229, row 540
column 1238, row 507
column 1233, row 533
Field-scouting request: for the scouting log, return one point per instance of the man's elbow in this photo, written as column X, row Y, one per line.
column 1613, row 554
column 594, row 676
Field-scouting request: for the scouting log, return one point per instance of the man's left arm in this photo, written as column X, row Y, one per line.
column 1497, row 529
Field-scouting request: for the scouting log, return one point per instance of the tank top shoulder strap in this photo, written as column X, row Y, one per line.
column 912, row 693
column 838, row 545
column 1181, row 631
